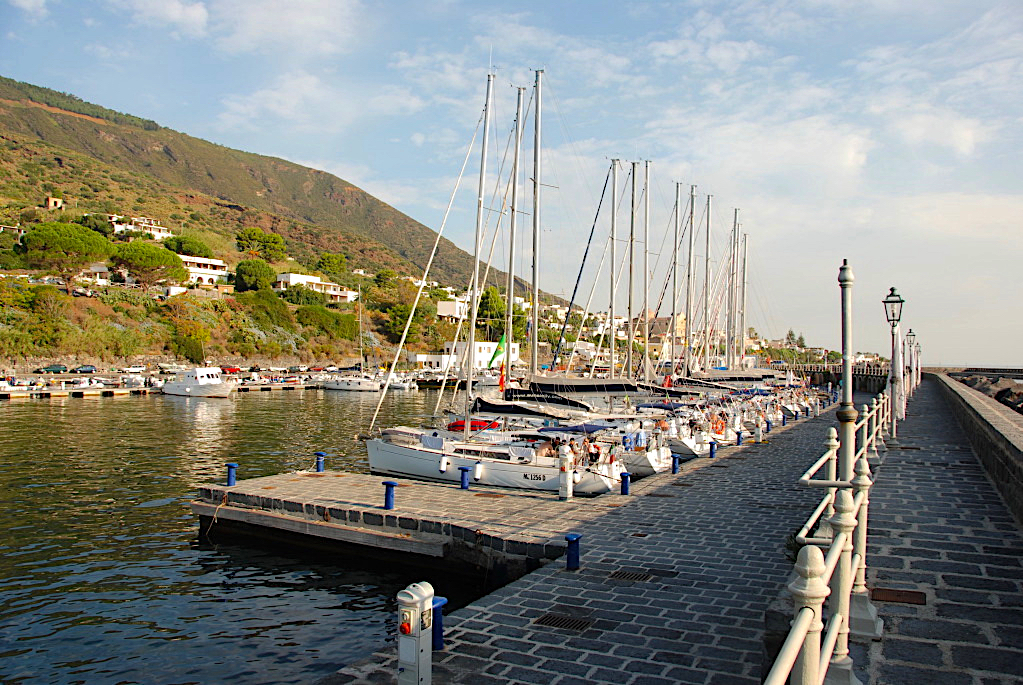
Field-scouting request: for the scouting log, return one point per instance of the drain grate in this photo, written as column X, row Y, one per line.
column 683, row 485
column 491, row 495
column 659, row 494
column 640, row 535
column 880, row 594
column 552, row 620
column 638, row 576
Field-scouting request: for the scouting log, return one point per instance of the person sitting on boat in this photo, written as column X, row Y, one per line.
column 573, row 448
column 592, row 451
column 546, row 449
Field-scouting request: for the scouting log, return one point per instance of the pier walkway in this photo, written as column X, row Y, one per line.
column 674, row 583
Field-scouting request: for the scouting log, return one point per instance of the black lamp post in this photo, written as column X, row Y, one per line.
column 893, row 312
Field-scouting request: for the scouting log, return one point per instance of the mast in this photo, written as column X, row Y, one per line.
column 474, row 288
column 509, row 305
column 730, row 318
column 535, row 310
column 706, row 297
column 742, row 310
column 674, row 273
column 362, row 355
column 614, row 261
column 689, row 282
column 632, row 255
column 646, row 271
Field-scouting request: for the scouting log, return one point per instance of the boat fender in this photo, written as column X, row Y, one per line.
column 444, row 463
column 477, row 470
column 576, row 477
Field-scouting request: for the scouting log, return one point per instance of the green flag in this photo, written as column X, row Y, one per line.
column 497, row 353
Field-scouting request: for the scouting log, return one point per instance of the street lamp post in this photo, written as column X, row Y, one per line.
column 893, row 312
column 911, row 354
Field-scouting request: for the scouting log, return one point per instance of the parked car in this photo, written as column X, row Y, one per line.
column 298, row 369
column 230, row 369
column 52, row 368
column 84, row 368
column 133, row 369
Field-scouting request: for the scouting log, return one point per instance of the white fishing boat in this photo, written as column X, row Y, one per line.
column 206, row 381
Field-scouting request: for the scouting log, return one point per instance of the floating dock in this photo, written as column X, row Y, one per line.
column 50, row 393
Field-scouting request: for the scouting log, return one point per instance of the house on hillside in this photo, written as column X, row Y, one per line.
column 53, row 202
column 453, row 310
column 143, row 224
column 333, row 291
column 18, row 231
column 204, row 271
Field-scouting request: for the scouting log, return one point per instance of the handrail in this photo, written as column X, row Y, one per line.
column 790, row 649
column 828, row 646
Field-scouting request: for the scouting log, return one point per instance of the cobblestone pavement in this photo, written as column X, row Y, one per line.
column 710, row 546
column 710, row 542
column 938, row 526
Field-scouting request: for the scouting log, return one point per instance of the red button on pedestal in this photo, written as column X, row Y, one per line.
column 405, row 628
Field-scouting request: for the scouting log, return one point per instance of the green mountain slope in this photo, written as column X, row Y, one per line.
column 313, row 210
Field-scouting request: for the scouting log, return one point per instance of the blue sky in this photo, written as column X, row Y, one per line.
column 888, row 133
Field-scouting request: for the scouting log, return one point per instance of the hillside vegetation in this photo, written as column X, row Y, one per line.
column 313, row 210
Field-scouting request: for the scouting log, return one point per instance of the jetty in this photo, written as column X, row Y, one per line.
column 681, row 581
column 54, row 392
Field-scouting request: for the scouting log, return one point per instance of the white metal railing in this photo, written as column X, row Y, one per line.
column 841, row 520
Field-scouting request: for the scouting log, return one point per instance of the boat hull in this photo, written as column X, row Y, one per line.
column 353, row 385
column 185, row 390
column 418, row 462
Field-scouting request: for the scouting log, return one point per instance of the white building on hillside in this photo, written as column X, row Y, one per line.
column 452, row 310
column 333, row 291
column 453, row 353
column 202, row 270
column 140, row 223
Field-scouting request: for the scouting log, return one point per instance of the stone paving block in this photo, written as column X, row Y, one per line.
column 998, row 660
column 914, row 651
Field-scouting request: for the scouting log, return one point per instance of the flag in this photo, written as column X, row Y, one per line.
column 497, row 353
column 501, row 381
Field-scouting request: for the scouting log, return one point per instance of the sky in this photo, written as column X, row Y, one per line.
column 883, row 132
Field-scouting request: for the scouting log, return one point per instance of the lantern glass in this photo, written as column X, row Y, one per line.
column 893, row 307
column 911, row 337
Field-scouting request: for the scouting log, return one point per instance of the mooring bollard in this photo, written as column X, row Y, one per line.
column 438, row 622
column 319, row 461
column 769, row 424
column 231, row 468
column 675, row 459
column 572, row 553
column 389, row 486
column 713, row 448
column 626, row 477
column 784, row 419
column 738, row 438
column 465, row 476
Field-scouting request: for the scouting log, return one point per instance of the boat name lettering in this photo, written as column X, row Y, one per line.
column 533, row 476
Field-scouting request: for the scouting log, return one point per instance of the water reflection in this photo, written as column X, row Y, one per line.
column 102, row 579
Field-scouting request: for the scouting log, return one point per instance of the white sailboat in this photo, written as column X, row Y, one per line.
column 360, row 382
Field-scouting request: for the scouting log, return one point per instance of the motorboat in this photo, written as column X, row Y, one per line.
column 206, row 381
column 359, row 383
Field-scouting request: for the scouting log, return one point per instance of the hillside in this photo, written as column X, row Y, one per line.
column 103, row 160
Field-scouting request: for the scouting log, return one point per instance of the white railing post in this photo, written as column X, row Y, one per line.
column 830, row 445
column 863, row 620
column 809, row 591
column 840, row 670
column 875, row 432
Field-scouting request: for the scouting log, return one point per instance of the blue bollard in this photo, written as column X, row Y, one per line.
column 738, row 438
column 806, row 410
column 319, row 461
column 572, row 553
column 675, row 459
column 231, row 468
column 465, row 476
column 769, row 424
column 784, row 418
column 389, row 486
column 713, row 448
column 626, row 478
column 438, row 622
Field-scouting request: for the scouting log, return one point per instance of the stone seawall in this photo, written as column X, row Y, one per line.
column 996, row 434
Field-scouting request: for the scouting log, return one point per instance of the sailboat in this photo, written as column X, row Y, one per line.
column 360, row 382
column 514, row 459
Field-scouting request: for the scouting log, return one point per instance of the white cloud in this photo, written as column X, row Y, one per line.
column 36, row 9
column 304, row 100
column 190, row 18
column 302, row 27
